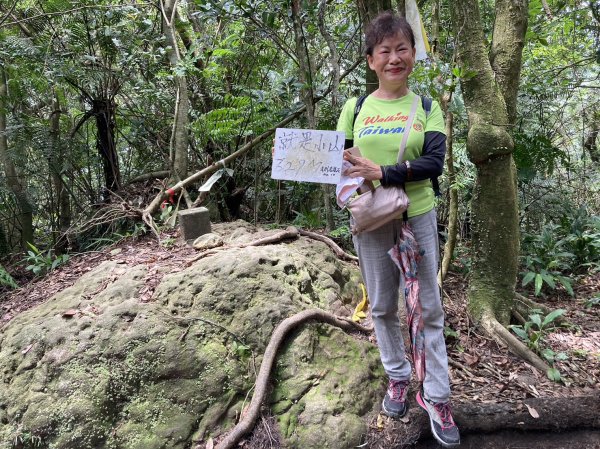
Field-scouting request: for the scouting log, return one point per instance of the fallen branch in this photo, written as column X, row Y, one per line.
column 461, row 367
column 334, row 246
column 281, row 331
column 162, row 174
column 553, row 415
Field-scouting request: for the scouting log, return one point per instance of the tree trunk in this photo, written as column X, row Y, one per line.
column 589, row 143
column 506, row 54
column 367, row 11
column 179, row 138
column 490, row 146
column 307, row 94
column 14, row 181
column 478, row 419
column 55, row 161
column 452, row 230
column 104, row 111
column 187, row 30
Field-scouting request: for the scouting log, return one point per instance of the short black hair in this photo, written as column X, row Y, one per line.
column 386, row 24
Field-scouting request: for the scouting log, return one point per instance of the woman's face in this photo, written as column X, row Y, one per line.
column 393, row 60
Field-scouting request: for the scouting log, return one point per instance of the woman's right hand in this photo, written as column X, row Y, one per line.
column 362, row 167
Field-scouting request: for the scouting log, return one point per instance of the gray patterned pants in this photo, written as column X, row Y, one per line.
column 383, row 280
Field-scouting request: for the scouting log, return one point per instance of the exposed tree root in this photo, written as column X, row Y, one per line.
column 524, row 306
column 281, row 331
column 499, row 332
column 289, row 233
column 334, row 246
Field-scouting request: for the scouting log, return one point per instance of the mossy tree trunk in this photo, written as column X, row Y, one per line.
column 15, row 182
column 178, row 151
column 62, row 206
column 490, row 93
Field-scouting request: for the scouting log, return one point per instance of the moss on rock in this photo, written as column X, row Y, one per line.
column 127, row 374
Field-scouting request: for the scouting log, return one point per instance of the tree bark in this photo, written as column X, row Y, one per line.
column 307, row 93
column 555, row 414
column 55, row 160
column 104, row 112
column 508, row 40
column 589, row 143
column 14, row 181
column 490, row 146
column 452, row 230
column 367, row 11
column 179, row 137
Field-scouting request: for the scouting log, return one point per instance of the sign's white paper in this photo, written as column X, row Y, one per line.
column 308, row 155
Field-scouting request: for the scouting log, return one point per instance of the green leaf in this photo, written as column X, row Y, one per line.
column 567, row 285
column 6, row 278
column 520, row 332
column 536, row 319
column 548, row 279
column 553, row 374
column 548, row 354
column 538, row 284
column 528, row 278
column 552, row 316
column 561, row 356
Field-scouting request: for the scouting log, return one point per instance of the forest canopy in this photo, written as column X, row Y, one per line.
column 106, row 105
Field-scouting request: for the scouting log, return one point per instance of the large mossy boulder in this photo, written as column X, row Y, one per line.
column 97, row 367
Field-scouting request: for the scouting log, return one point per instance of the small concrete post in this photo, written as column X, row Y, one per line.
column 194, row 223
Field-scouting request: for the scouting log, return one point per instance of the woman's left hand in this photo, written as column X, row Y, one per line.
column 362, row 167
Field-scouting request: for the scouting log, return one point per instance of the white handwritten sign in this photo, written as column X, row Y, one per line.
column 308, row 155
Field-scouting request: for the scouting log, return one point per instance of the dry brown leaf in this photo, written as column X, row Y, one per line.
column 533, row 412
column 69, row 313
column 471, row 360
column 380, row 422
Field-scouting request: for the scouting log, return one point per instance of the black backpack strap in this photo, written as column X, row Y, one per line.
column 359, row 103
column 426, row 103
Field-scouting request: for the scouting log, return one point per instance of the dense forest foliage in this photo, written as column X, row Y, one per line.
column 106, row 105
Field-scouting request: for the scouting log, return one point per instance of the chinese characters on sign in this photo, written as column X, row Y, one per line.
column 308, row 155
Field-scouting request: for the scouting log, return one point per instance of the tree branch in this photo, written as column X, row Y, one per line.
column 207, row 171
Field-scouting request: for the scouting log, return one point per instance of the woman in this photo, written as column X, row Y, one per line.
column 377, row 131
